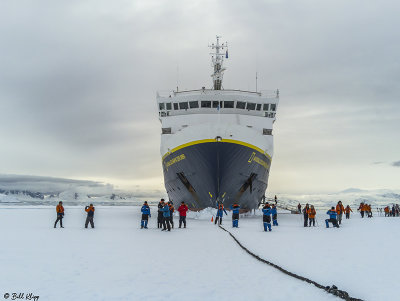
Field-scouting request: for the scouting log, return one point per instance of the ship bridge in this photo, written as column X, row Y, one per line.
column 208, row 101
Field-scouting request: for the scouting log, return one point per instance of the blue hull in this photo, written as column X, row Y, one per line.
column 203, row 173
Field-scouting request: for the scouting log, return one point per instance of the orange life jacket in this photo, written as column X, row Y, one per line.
column 60, row 209
column 339, row 208
column 348, row 209
column 311, row 213
column 91, row 208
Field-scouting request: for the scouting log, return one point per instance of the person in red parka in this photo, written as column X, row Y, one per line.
column 182, row 214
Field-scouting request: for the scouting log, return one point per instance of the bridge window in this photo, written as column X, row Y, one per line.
column 265, row 107
column 183, row 105
column 267, row 132
column 251, row 106
column 258, row 107
column 193, row 104
column 240, row 105
column 229, row 104
column 205, row 104
column 166, row 130
column 273, row 107
column 169, row 106
column 161, row 106
column 215, row 104
column 176, row 106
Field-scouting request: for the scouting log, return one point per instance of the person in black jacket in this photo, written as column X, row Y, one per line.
column 305, row 215
column 160, row 214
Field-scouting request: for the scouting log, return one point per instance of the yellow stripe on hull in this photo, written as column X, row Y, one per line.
column 214, row 141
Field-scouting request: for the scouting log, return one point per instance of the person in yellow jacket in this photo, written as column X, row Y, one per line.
column 90, row 215
column 339, row 211
column 311, row 215
column 60, row 214
column 347, row 210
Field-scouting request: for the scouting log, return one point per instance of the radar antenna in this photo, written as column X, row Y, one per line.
column 217, row 59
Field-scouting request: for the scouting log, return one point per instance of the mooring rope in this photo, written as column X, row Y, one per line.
column 329, row 289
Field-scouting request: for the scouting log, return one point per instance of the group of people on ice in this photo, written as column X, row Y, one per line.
column 165, row 220
column 268, row 212
column 394, row 211
column 235, row 208
column 335, row 214
column 165, row 217
column 365, row 209
column 60, row 215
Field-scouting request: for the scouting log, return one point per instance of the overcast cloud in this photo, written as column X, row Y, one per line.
column 78, row 81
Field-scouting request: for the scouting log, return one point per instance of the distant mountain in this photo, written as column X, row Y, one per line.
column 35, row 190
column 353, row 190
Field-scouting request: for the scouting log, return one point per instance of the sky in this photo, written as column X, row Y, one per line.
column 78, row 82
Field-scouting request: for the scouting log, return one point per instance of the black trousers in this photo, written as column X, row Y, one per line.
column 267, row 219
column 362, row 214
column 89, row 219
column 218, row 218
column 305, row 220
column 312, row 221
column 160, row 220
column 171, row 220
column 333, row 221
column 347, row 215
column 182, row 219
column 166, row 223
column 59, row 218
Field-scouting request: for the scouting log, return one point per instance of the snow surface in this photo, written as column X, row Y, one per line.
column 119, row 261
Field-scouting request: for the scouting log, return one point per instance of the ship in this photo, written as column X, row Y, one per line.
column 216, row 143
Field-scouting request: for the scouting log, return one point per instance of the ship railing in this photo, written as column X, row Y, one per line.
column 262, row 93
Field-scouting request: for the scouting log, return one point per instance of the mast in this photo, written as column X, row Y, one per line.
column 217, row 59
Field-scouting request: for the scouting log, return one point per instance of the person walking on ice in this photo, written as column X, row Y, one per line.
column 267, row 217
column 60, row 214
column 171, row 213
column 90, row 215
column 347, row 210
column 235, row 215
column 145, row 215
column 220, row 212
column 332, row 218
column 339, row 211
column 182, row 214
column 305, row 215
column 160, row 214
column 274, row 213
column 166, row 217
column 311, row 215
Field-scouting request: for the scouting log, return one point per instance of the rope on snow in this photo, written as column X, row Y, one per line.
column 329, row 289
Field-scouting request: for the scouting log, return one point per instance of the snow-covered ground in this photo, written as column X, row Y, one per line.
column 119, row 261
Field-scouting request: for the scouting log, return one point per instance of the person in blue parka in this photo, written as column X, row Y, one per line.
column 220, row 212
column 267, row 217
column 332, row 218
column 145, row 215
column 235, row 215
column 274, row 214
column 166, row 217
